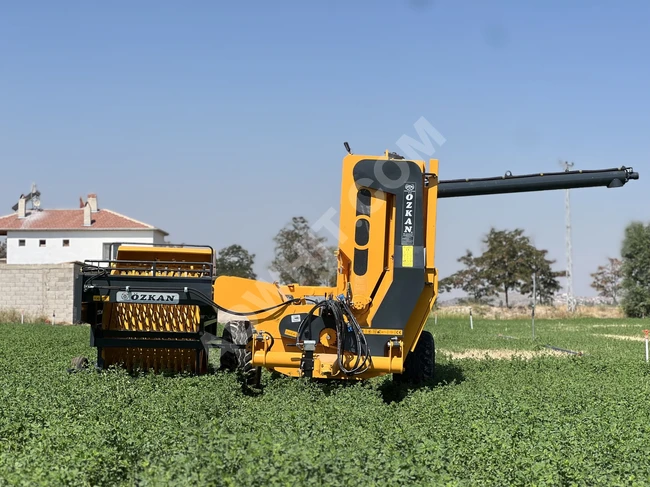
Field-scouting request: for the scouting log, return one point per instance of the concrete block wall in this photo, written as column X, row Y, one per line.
column 40, row 290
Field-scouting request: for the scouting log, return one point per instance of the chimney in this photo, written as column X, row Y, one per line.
column 87, row 215
column 92, row 201
column 22, row 213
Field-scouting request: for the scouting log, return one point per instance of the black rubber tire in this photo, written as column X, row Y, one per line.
column 252, row 375
column 420, row 364
column 235, row 337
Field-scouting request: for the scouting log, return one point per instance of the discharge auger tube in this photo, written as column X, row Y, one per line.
column 611, row 178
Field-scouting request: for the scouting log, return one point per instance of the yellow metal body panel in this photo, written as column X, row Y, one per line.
column 369, row 280
column 244, row 295
column 174, row 261
column 381, row 250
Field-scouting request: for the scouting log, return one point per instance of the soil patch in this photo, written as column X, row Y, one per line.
column 620, row 337
column 502, row 354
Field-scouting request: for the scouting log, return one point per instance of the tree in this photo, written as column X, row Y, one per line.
column 506, row 265
column 635, row 254
column 546, row 285
column 3, row 250
column 471, row 280
column 608, row 278
column 235, row 261
column 302, row 257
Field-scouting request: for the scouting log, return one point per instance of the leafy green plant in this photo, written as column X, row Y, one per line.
column 548, row 420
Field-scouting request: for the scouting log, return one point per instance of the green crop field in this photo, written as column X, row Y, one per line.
column 504, row 410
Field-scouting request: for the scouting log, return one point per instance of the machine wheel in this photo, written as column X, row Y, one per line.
column 235, row 337
column 235, row 355
column 420, row 364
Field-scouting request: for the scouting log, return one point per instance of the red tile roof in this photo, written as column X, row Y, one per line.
column 71, row 220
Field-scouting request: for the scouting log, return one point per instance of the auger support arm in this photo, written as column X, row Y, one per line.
column 610, row 178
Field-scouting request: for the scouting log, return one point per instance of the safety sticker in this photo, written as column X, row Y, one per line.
column 382, row 331
column 407, row 256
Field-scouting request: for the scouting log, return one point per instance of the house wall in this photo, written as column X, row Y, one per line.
column 83, row 244
column 158, row 238
column 46, row 291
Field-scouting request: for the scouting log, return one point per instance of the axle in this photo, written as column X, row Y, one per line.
column 611, row 178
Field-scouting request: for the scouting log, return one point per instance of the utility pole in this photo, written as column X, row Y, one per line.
column 571, row 302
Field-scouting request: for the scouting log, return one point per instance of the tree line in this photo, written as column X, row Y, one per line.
column 506, row 265
column 510, row 260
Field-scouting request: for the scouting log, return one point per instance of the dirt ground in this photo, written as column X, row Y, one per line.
column 553, row 312
column 501, row 354
column 620, row 337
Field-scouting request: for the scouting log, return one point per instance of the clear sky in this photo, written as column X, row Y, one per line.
column 219, row 121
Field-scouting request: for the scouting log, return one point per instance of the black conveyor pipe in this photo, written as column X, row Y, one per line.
column 611, row 178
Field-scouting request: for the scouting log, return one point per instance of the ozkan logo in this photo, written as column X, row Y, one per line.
column 408, row 235
column 156, row 298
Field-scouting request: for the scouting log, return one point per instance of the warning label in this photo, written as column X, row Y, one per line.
column 407, row 256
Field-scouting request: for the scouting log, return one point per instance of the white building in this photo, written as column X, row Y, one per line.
column 40, row 236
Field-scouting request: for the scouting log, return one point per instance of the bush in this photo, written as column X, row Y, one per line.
column 636, row 270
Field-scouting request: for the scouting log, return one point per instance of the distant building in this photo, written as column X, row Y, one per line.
column 41, row 236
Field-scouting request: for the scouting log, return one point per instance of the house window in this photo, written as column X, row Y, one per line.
column 107, row 254
column 66, row 243
column 21, row 242
column 41, row 243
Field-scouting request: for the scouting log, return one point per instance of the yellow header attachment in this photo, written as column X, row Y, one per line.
column 163, row 261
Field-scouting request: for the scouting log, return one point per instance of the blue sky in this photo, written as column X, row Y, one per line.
column 219, row 121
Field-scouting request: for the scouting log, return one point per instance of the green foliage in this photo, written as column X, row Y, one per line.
column 506, row 265
column 635, row 254
column 3, row 249
column 235, row 261
column 549, row 421
column 546, row 283
column 471, row 279
column 608, row 278
column 302, row 257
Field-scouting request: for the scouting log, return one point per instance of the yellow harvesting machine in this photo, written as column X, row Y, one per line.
column 156, row 307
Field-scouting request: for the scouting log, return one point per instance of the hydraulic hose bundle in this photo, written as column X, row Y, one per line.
column 345, row 324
